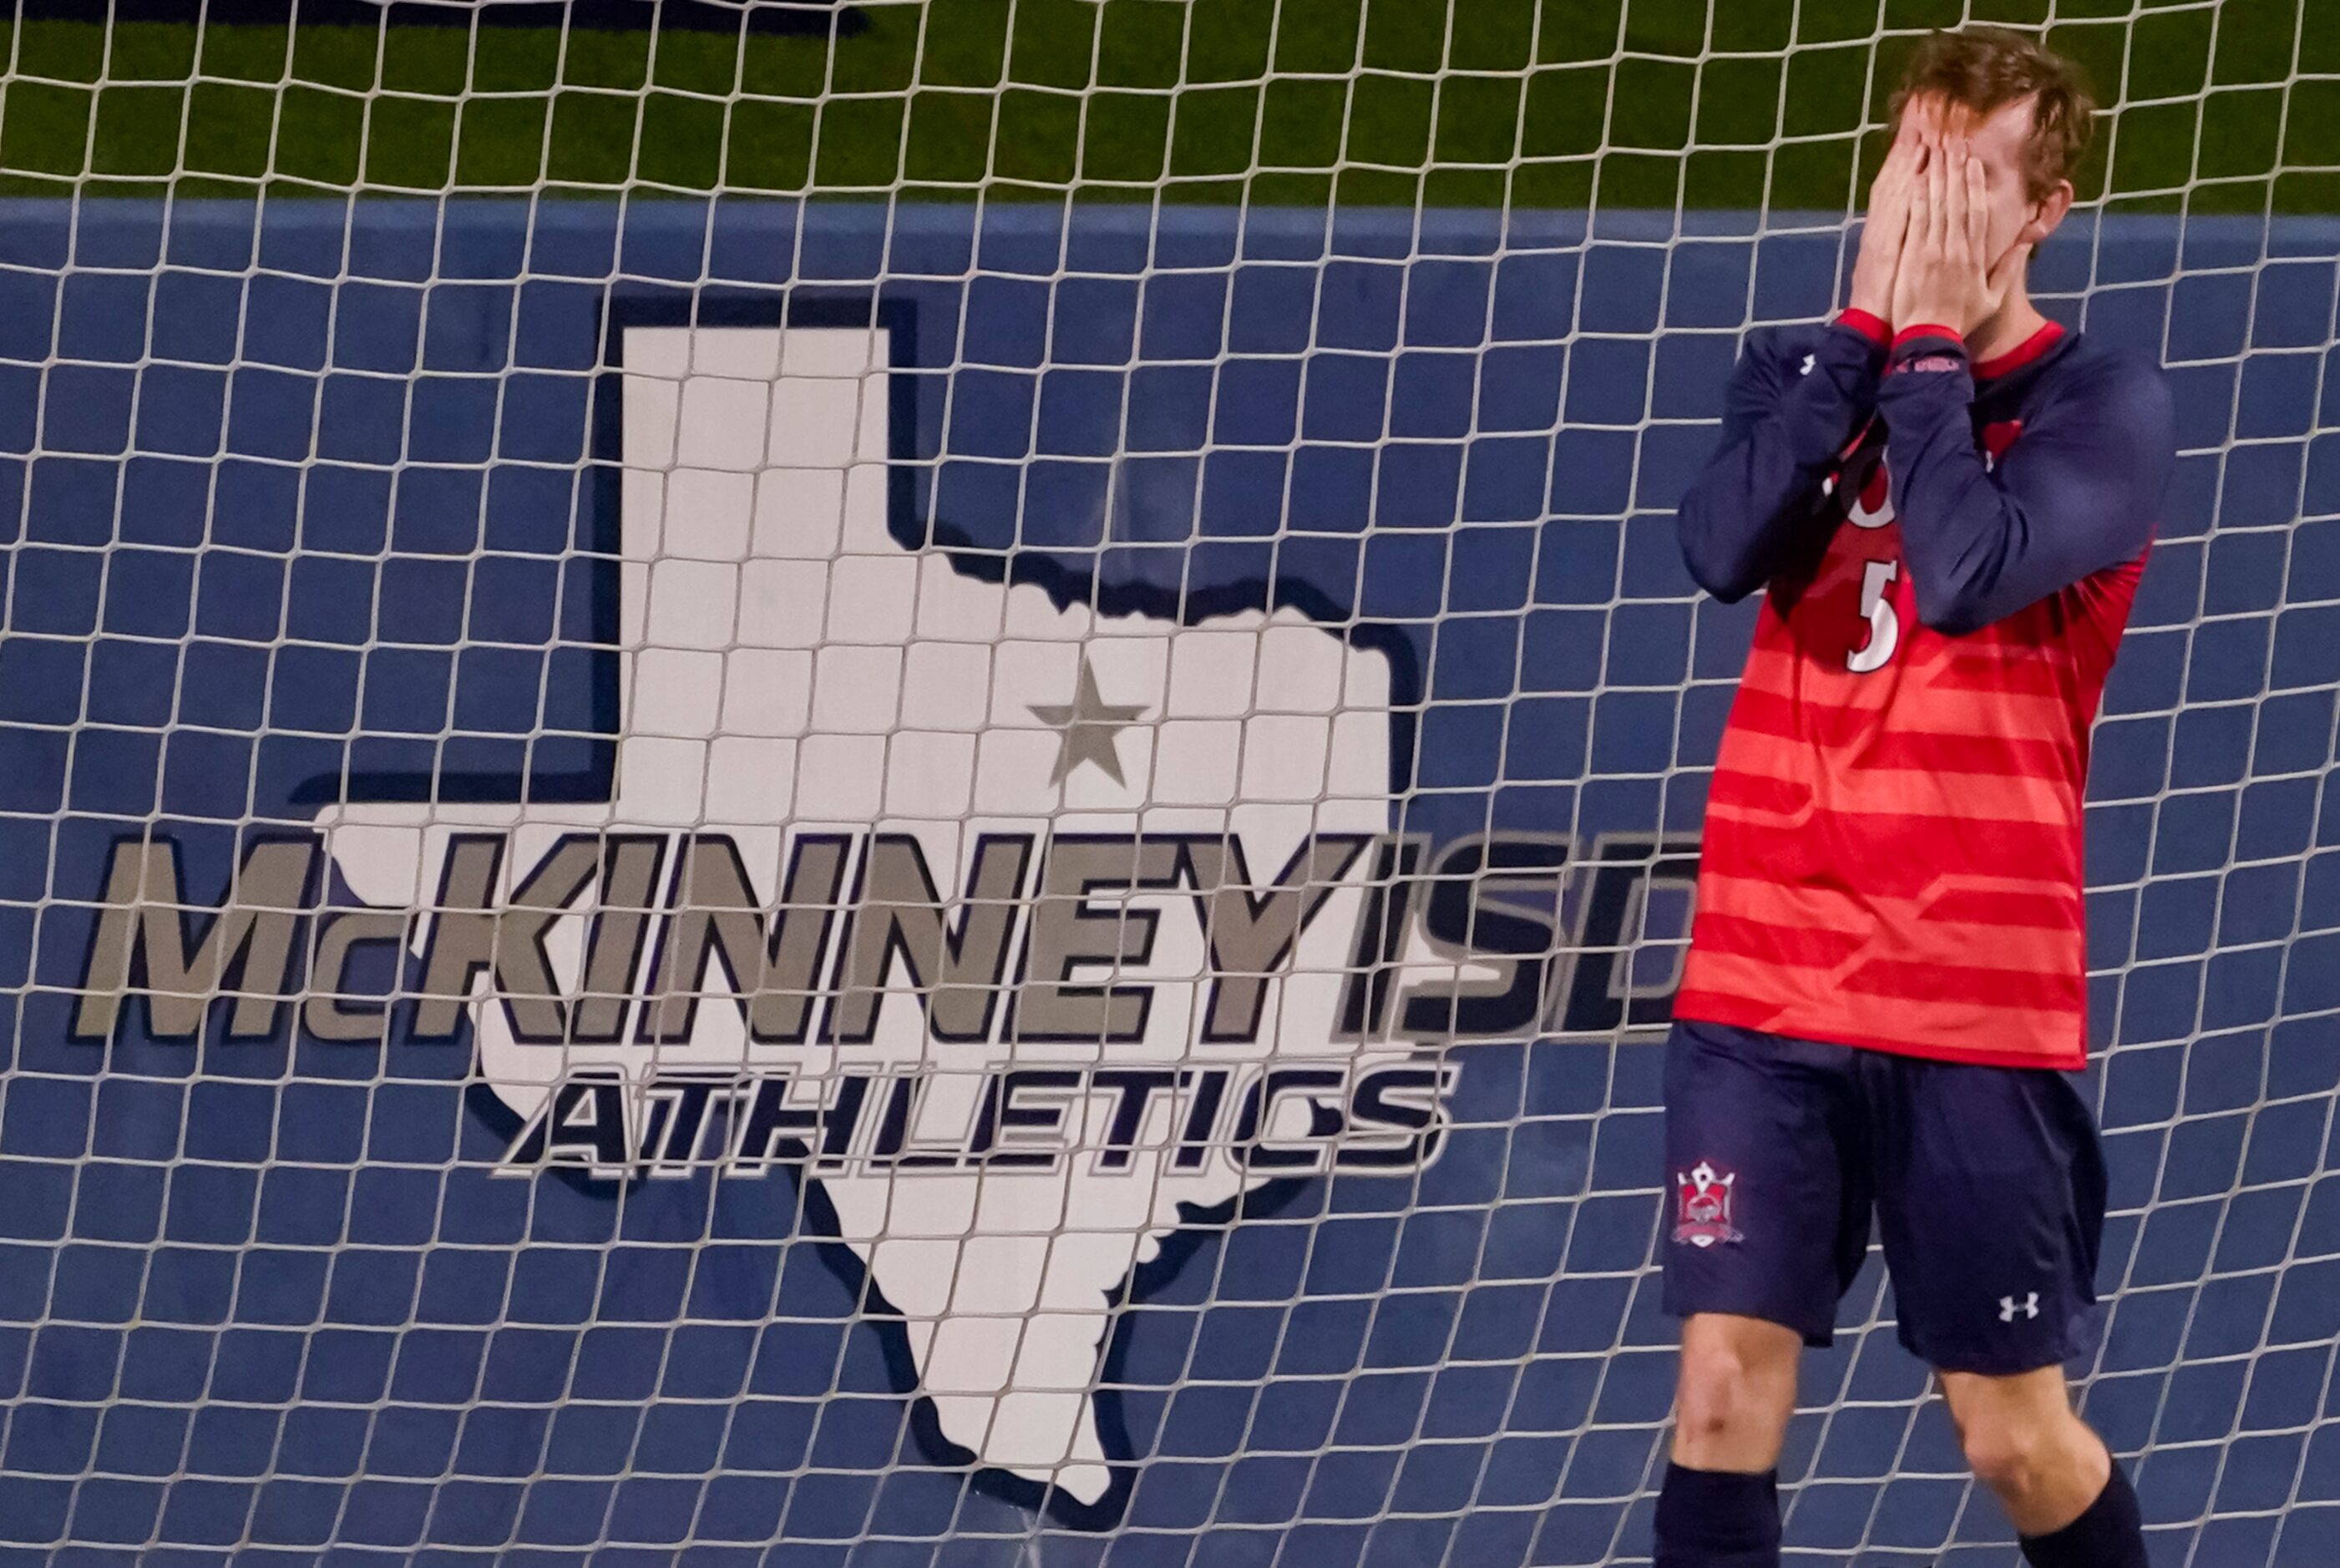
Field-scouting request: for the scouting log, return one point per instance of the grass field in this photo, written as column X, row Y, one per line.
column 2227, row 106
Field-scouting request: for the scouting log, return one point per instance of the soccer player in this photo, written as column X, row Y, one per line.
column 1945, row 499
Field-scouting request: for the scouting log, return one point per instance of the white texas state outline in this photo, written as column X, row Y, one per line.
column 787, row 666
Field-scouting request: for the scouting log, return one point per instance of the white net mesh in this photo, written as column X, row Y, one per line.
column 915, row 782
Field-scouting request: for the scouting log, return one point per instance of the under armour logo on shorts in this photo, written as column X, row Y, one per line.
column 2008, row 1307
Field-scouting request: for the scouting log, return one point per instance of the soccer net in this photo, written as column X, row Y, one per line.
column 917, row 783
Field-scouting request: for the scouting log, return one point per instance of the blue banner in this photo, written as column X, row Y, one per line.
column 719, row 882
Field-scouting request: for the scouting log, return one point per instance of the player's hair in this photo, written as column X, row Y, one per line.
column 1984, row 69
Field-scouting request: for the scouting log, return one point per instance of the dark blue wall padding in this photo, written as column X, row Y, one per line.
column 286, row 484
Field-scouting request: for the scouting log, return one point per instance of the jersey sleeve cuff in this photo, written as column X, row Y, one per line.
column 1910, row 335
column 1926, row 346
column 1872, row 327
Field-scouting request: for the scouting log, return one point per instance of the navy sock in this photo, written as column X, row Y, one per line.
column 2111, row 1535
column 1717, row 1519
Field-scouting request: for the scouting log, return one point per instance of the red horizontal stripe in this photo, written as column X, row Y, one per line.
column 1782, row 903
column 1981, row 915
column 1762, row 748
column 1773, row 941
column 1969, row 985
column 1817, row 671
column 1740, row 786
column 1785, row 701
column 1896, row 856
column 1794, row 934
column 2013, row 668
column 2061, row 911
column 1855, row 793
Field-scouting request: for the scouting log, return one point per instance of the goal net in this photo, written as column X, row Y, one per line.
column 917, row 782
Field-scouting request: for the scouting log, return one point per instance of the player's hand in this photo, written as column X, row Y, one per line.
column 1884, row 229
column 1946, row 276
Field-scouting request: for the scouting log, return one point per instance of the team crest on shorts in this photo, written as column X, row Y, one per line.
column 1702, row 1211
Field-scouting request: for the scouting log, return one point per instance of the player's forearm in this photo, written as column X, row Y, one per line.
column 1825, row 406
column 1749, row 505
column 1738, row 518
column 1982, row 543
column 1958, row 530
column 1942, row 495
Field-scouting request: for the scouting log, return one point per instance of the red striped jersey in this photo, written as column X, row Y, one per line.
column 1893, row 846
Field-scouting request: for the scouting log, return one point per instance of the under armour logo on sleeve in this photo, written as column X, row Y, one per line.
column 2008, row 1307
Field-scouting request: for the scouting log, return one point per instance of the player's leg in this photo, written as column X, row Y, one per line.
column 1719, row 1506
column 1990, row 1202
column 1735, row 1392
column 1768, row 1221
column 2067, row 1499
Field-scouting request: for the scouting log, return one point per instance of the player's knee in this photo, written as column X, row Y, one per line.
column 2020, row 1434
column 1724, row 1399
column 1705, row 1403
column 2012, row 1456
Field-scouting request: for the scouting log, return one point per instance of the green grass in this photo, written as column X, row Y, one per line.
column 1525, row 102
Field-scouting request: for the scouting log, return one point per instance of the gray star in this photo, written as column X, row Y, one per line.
column 1090, row 725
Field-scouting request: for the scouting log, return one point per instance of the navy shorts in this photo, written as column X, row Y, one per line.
column 1987, row 1183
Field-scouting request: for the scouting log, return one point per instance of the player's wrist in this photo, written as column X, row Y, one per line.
column 1928, row 329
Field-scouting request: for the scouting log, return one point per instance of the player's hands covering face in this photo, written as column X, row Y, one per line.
column 1884, row 234
column 1947, row 275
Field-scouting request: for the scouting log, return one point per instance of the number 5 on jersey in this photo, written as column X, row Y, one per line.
column 1884, row 622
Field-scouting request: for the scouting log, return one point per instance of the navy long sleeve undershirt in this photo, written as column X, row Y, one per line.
column 1784, row 426
column 2078, row 491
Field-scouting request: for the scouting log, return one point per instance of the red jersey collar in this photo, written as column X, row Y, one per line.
column 2023, row 353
